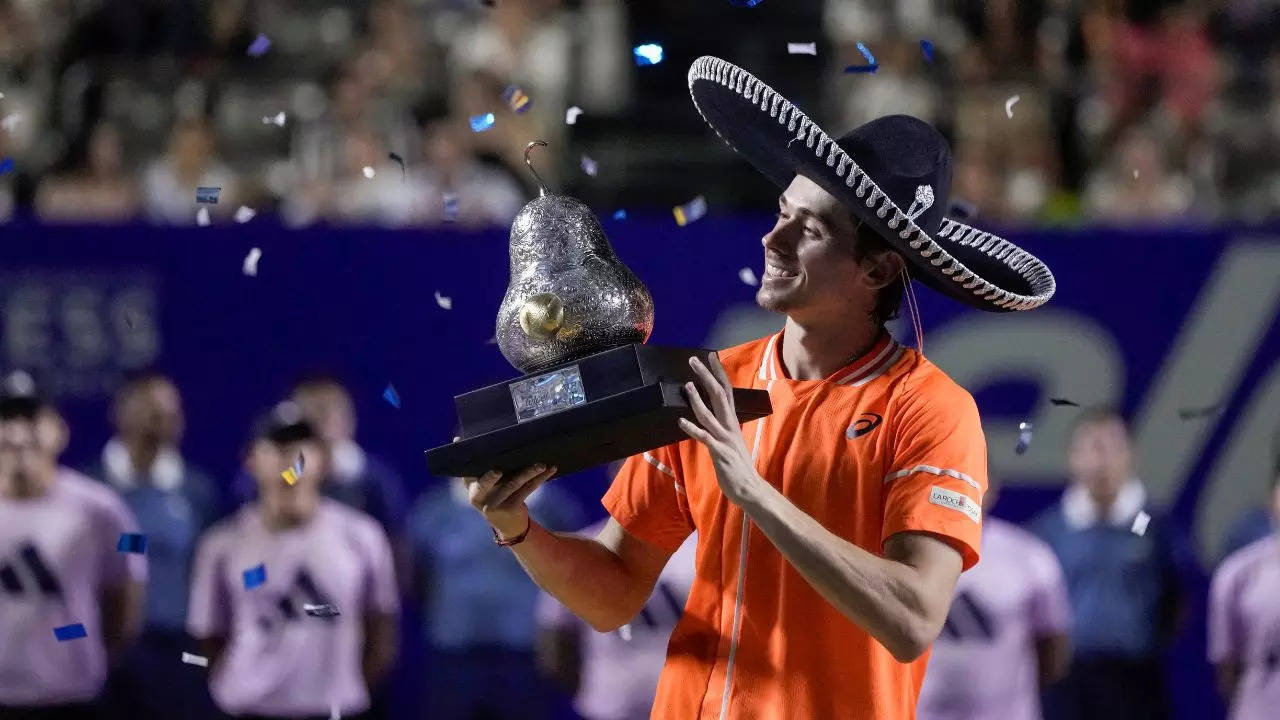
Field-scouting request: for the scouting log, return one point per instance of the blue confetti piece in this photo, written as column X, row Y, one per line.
column 926, row 47
column 391, row 396
column 1024, row 438
column 208, row 195
column 259, row 46
column 871, row 65
column 480, row 123
column 132, row 543
column 648, row 54
column 619, row 214
column 745, row 3
column 6, row 165
column 450, row 207
column 74, row 631
column 255, row 576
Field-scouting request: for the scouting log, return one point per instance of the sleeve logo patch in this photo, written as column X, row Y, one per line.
column 956, row 501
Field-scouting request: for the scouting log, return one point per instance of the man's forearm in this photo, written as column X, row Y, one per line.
column 885, row 597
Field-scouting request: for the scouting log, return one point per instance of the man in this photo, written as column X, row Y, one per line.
column 1007, row 633
column 1244, row 623
column 59, row 567
column 478, row 606
column 613, row 676
column 268, row 582
column 174, row 502
column 1126, row 586
column 832, row 532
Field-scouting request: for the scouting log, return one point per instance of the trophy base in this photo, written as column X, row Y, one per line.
column 588, row 412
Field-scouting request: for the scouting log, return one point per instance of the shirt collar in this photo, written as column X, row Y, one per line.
column 165, row 473
column 1080, row 510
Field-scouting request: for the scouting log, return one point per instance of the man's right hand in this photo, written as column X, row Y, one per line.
column 501, row 498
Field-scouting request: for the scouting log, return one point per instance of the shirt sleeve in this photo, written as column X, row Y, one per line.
column 118, row 568
column 1050, row 604
column 937, row 467
column 209, row 607
column 1226, row 631
column 382, row 595
column 648, row 498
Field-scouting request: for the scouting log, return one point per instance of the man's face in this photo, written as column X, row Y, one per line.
column 152, row 413
column 267, row 463
column 809, row 264
column 328, row 409
column 1100, row 457
column 26, row 463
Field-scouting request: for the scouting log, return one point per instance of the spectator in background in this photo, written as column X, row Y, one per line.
column 368, row 190
column 99, row 191
column 1007, row 634
column 58, row 566
column 1244, row 623
column 269, row 655
column 485, row 195
column 1127, row 589
column 479, row 606
column 1136, row 183
column 169, row 184
column 614, row 676
column 174, row 503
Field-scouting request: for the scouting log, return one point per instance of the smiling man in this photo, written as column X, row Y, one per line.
column 832, row 532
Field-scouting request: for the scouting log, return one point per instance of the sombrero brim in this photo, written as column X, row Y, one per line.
column 963, row 262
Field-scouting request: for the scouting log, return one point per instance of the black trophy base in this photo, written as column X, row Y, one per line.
column 581, row 414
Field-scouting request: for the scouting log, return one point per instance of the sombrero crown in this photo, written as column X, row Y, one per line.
column 894, row 173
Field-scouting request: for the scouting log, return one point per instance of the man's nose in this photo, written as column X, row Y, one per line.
column 781, row 237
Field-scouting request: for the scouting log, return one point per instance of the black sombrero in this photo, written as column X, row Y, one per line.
column 894, row 173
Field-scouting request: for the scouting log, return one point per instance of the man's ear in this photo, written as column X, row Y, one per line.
column 882, row 269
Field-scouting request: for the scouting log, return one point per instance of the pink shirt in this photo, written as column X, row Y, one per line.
column 620, row 669
column 278, row 659
column 57, row 554
column 984, row 665
column 1244, row 625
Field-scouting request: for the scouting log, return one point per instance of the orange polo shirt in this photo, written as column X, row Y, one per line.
column 887, row 444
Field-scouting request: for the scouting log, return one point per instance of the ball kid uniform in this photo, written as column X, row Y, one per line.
column 885, row 445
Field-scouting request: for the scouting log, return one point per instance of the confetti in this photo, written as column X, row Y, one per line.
column 202, row 217
column 259, row 46
column 1193, row 413
column 926, row 47
column 6, row 165
column 516, row 99
column 277, row 119
column 132, row 543
column 391, row 396
column 368, row 172
column 748, row 276
column 321, row 611
column 589, row 166
column 648, row 54
column 334, row 712
column 1064, row 401
column 1140, row 522
column 190, row 659
column 251, row 262
column 395, row 158
column 802, row 48
column 871, row 65
column 74, row 631
column 482, row 122
column 444, row 302
column 571, row 115
column 294, row 471
column 10, row 122
column 619, row 214
column 244, row 214
column 1008, row 105
column 1135, row 173
column 208, row 195
column 624, row 632
column 1024, row 437
column 690, row 211
column 254, row 576
column 1, row 96
column 450, row 207
column 745, row 3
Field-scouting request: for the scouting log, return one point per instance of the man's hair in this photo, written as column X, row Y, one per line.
column 867, row 242
column 318, row 380
column 1098, row 414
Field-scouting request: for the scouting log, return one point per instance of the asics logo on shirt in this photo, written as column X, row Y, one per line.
column 865, row 423
column 303, row 591
column 28, row 573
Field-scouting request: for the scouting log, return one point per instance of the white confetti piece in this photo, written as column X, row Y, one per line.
column 1140, row 522
column 444, row 302
column 325, row 611
column 625, row 632
column 748, row 276
column 1008, row 105
column 368, row 171
column 571, row 115
column 589, row 166
column 202, row 217
column 334, row 712
column 190, row 659
column 1135, row 173
column 10, row 122
column 802, row 48
column 277, row 119
column 244, row 214
column 251, row 262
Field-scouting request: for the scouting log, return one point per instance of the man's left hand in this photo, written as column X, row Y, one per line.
column 718, row 429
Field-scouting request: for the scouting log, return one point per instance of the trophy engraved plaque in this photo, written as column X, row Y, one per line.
column 575, row 320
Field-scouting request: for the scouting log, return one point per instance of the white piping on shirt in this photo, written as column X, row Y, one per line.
column 666, row 470
column 869, row 366
column 883, row 368
column 935, row 471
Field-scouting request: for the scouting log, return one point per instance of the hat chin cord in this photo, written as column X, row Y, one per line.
column 914, row 309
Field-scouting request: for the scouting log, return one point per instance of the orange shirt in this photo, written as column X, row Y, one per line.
column 887, row 444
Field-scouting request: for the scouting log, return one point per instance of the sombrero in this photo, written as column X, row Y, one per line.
column 894, row 173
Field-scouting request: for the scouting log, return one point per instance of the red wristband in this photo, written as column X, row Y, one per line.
column 497, row 539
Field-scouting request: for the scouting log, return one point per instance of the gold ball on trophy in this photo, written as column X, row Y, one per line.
column 542, row 315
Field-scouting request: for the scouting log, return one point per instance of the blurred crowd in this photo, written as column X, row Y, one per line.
column 1058, row 110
